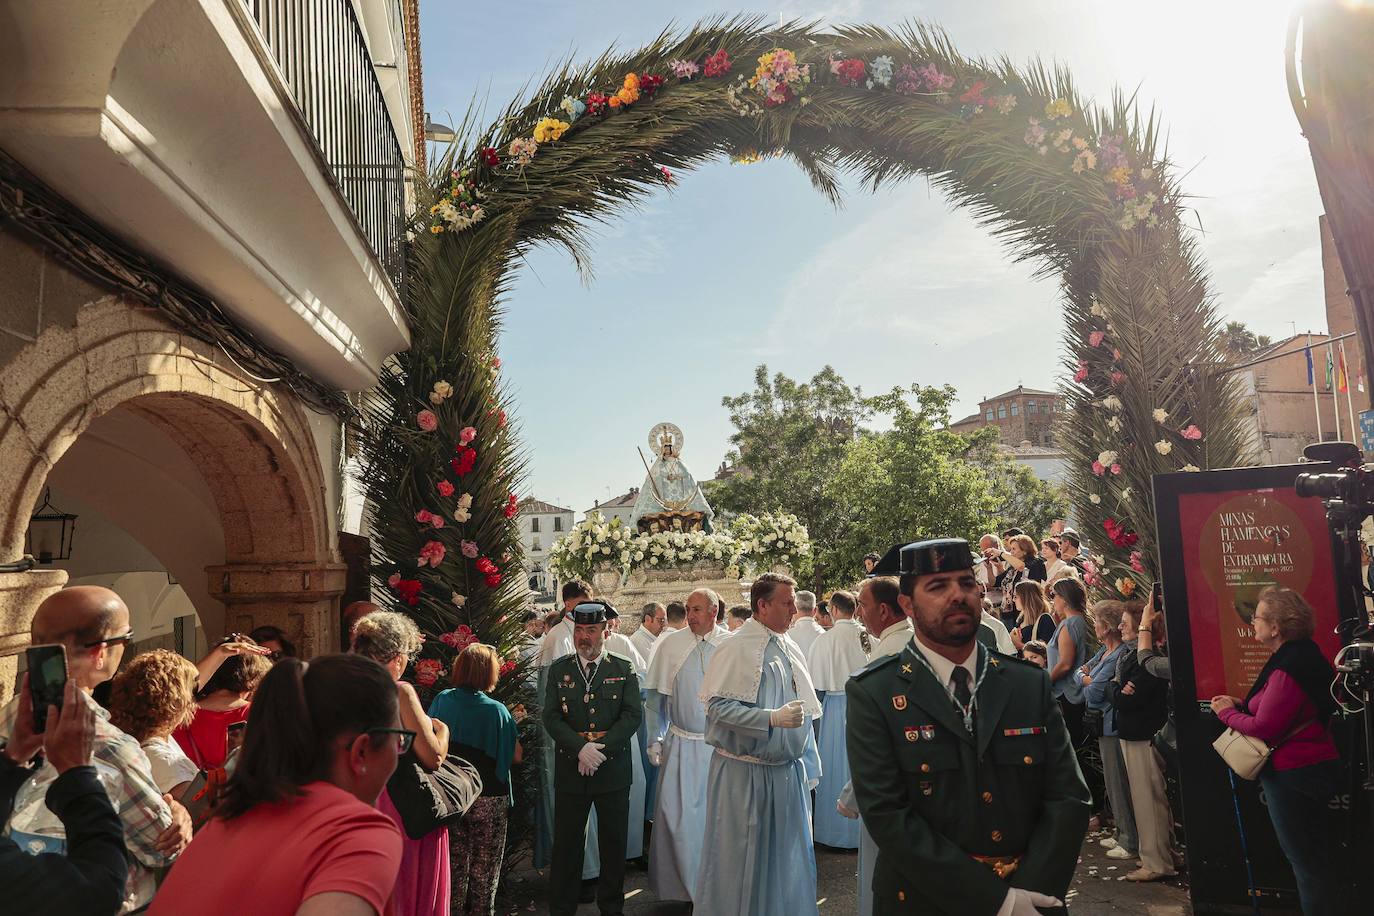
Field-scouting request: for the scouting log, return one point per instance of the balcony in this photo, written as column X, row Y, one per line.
column 246, row 144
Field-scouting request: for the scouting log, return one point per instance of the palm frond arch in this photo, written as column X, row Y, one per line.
column 1084, row 193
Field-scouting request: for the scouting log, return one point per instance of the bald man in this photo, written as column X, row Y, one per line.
column 92, row 624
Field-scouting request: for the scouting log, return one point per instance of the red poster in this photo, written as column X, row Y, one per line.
column 1235, row 543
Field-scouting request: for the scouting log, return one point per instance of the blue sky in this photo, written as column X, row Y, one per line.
column 740, row 265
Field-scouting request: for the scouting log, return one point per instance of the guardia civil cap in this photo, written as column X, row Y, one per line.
column 592, row 612
column 936, row 556
column 890, row 564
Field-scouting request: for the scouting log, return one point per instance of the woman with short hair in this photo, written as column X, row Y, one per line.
column 297, row 833
column 153, row 696
column 1289, row 708
column 483, row 732
column 422, row 884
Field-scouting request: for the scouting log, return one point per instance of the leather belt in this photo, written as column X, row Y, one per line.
column 745, row 758
column 593, row 736
column 683, row 733
column 1003, row 866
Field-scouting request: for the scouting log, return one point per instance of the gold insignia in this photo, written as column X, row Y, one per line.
column 906, row 669
column 899, row 703
column 912, row 733
column 993, row 662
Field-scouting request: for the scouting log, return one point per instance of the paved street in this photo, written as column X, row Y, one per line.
column 1099, row 888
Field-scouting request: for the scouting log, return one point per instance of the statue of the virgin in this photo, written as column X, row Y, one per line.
column 670, row 499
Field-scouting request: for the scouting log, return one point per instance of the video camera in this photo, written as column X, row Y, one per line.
column 1348, row 495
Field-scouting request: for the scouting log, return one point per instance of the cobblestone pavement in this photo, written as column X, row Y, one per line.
column 1098, row 888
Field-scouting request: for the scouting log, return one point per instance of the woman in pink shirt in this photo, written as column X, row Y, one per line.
column 298, row 832
column 1288, row 708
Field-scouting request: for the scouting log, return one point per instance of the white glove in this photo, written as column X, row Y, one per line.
column 655, row 753
column 789, row 716
column 846, row 812
column 1021, row 902
column 589, row 758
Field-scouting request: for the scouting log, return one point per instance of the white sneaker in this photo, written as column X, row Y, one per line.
column 1108, row 842
column 1119, row 852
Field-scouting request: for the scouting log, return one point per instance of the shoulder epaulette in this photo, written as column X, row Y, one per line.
column 875, row 666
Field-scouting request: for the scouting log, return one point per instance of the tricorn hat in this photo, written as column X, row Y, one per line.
column 936, row 556
column 592, row 612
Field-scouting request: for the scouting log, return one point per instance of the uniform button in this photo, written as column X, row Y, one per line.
column 925, row 768
column 997, row 836
column 987, row 798
column 1028, row 760
column 901, row 895
column 592, row 711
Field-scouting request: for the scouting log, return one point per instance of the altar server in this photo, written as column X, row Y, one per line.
column 804, row 630
column 759, row 706
column 677, row 726
column 836, row 654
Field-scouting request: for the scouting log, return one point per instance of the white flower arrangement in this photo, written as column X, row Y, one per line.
column 668, row 549
column 592, row 542
column 770, row 540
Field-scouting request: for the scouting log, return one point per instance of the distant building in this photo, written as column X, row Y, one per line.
column 1019, row 415
column 1047, row 463
column 621, row 507
column 540, row 524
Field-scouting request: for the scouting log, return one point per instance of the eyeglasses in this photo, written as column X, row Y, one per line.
column 404, row 737
column 111, row 641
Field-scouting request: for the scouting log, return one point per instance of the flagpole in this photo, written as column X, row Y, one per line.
column 1312, row 377
column 1349, row 401
column 1331, row 380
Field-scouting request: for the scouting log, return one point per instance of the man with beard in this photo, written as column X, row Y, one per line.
column 591, row 712
column 962, row 766
column 677, row 727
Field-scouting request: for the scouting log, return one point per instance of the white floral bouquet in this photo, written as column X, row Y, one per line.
column 681, row 549
column 768, row 540
column 592, row 543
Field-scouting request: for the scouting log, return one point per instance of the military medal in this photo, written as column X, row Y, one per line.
column 1018, row 732
column 928, row 732
column 912, row 733
column 587, row 677
column 899, row 703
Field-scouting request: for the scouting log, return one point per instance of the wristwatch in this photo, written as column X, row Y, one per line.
column 1142, row 629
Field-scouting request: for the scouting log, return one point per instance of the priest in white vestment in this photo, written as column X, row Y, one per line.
column 883, row 617
column 759, row 858
column 677, row 730
column 804, row 630
column 835, row 655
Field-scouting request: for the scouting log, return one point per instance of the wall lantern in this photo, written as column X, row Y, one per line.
column 50, row 532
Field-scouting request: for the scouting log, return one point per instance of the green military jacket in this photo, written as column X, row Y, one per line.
column 931, row 794
column 572, row 711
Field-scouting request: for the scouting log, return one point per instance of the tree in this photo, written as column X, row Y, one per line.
column 788, row 439
column 1240, row 342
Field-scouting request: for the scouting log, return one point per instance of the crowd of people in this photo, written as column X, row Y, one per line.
column 958, row 716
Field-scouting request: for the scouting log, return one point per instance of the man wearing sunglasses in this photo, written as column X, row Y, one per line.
column 92, row 623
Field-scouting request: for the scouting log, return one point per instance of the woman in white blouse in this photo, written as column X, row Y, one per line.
column 149, row 699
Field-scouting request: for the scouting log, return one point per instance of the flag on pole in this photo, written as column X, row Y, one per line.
column 1342, row 378
column 1310, row 379
column 1330, row 368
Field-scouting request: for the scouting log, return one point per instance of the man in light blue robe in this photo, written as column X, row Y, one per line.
column 677, row 741
column 616, row 644
column 835, row 655
column 760, row 703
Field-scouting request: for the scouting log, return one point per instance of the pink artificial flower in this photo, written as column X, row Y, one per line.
column 1192, row 432
column 394, row 579
column 1137, row 562
column 436, row 520
column 684, row 69
column 466, row 435
column 1118, row 378
column 427, row 421
column 496, row 362
column 1081, row 375
column 423, row 516
column 1115, row 468
column 445, row 488
column 1096, row 337
column 667, row 175
column 432, row 553
column 1099, row 468
column 428, row 671
column 469, row 549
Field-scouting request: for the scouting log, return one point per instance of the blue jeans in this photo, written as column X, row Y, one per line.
column 1298, row 802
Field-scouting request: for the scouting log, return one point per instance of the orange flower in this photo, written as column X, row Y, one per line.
column 631, row 81
column 614, row 101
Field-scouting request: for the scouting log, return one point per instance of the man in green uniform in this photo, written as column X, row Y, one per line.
column 591, row 711
column 962, row 766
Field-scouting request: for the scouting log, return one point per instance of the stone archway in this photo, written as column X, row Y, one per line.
column 252, row 444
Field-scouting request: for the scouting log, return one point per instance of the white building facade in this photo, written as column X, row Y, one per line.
column 541, row 524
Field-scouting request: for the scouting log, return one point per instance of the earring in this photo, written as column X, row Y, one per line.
column 362, row 769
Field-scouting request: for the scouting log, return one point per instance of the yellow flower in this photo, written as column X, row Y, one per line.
column 1120, row 175
column 1059, row 108
column 549, row 129
column 436, row 229
column 1126, row 586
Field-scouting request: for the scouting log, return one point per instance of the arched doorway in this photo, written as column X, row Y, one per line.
column 217, row 477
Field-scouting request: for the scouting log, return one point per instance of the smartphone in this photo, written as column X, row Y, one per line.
column 47, row 681
column 1157, row 597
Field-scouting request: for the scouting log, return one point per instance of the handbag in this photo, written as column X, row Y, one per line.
column 1248, row 755
column 1093, row 720
column 430, row 799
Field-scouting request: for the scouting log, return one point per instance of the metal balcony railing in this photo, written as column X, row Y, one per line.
column 322, row 55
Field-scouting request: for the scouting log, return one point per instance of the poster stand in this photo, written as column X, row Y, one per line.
column 1224, row 536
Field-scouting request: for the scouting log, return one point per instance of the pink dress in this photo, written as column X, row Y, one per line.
column 422, row 884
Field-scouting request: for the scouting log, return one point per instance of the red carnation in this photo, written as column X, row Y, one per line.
column 850, row 72
column 490, row 156
column 648, row 85
column 974, row 95
column 506, row 669
column 486, row 567
column 511, row 506
column 463, row 464
column 409, row 590
column 493, row 580
column 718, row 64
column 596, row 103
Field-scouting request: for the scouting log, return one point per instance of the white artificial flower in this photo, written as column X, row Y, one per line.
column 1112, row 402
column 1126, row 493
column 461, row 515
column 1094, row 499
column 1107, row 458
column 1191, row 467
column 653, row 561
column 1115, row 424
column 1164, row 446
column 465, row 501
column 458, row 600
column 1160, row 414
column 605, row 548
column 1097, row 309
column 639, row 556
